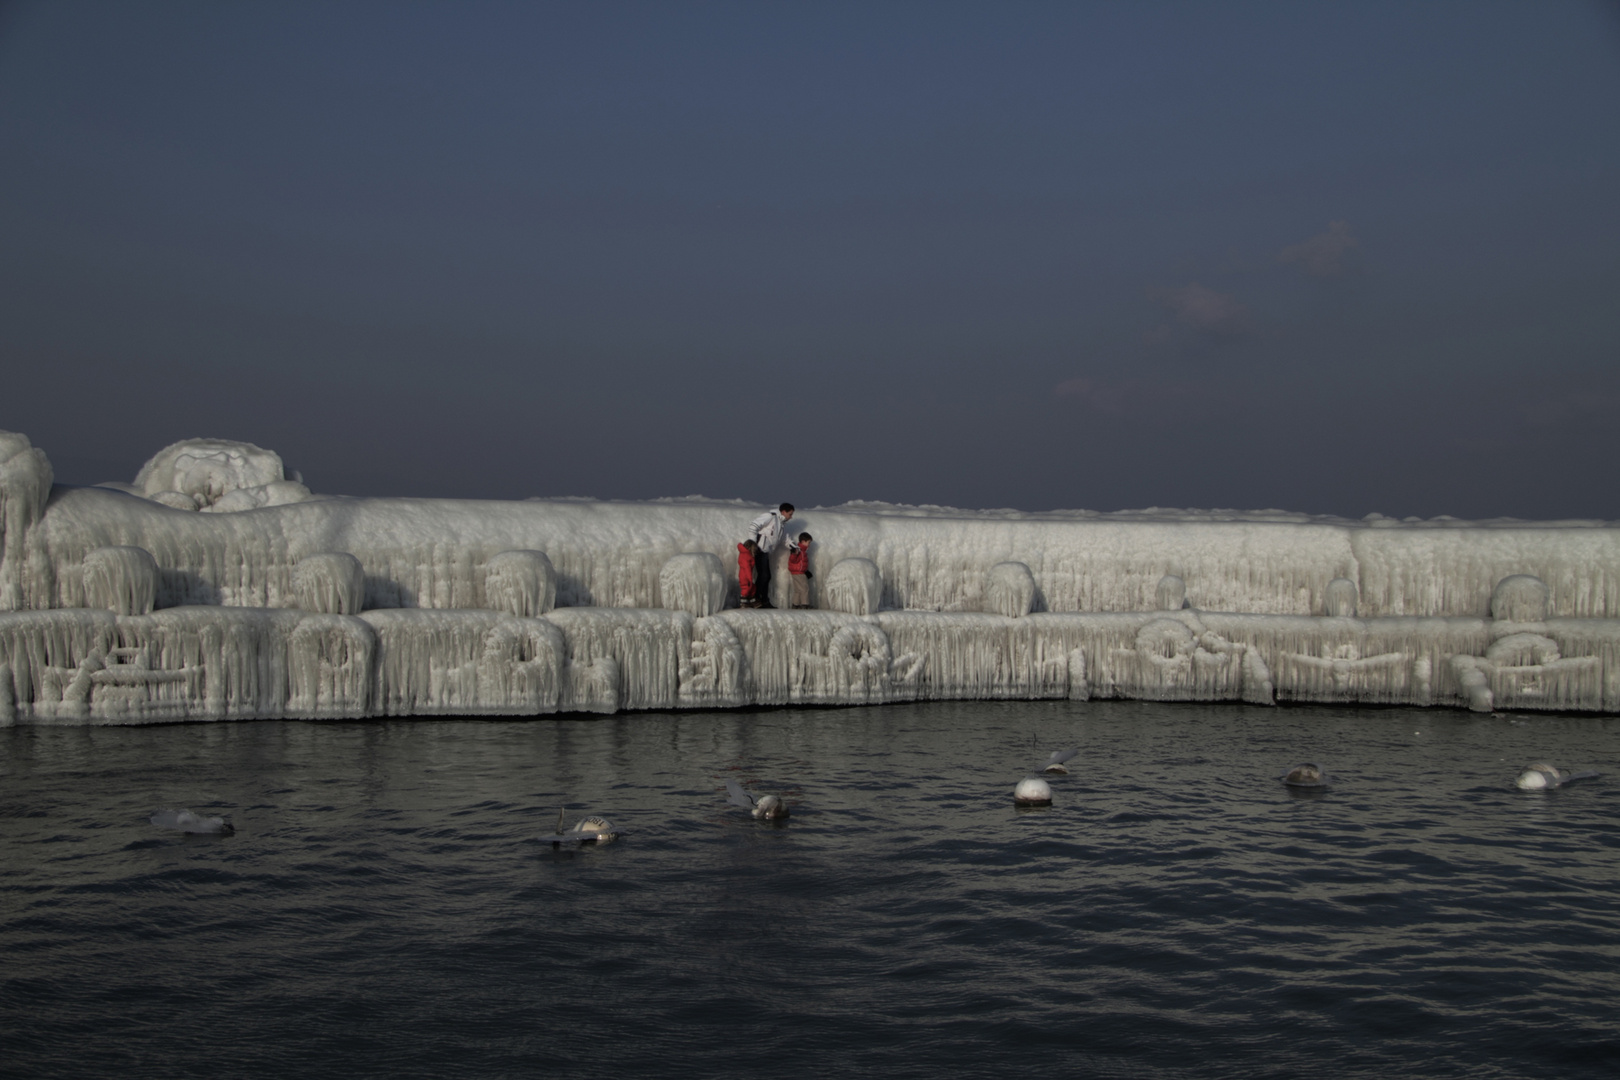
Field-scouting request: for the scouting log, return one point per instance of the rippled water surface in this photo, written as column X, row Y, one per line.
column 384, row 907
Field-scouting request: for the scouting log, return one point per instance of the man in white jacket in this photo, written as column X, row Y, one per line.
column 769, row 530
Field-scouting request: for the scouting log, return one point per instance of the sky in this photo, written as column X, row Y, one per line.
column 1331, row 257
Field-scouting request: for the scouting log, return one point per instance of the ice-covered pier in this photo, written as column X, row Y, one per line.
column 216, row 588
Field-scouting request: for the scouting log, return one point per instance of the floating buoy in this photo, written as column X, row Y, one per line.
column 1541, row 776
column 1032, row 791
column 766, row 807
column 1054, row 764
column 1306, row 775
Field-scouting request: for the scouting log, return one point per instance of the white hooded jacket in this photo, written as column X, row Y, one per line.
column 769, row 530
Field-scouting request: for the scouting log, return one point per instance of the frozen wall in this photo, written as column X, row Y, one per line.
column 435, row 552
column 116, row 607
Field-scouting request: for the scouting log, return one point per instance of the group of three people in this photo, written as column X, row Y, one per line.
column 767, row 533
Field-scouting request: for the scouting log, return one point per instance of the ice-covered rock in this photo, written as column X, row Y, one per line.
column 694, row 582
column 1340, row 598
column 1523, row 670
column 1171, row 593
column 1519, row 598
column 209, row 469
column 521, row 583
column 121, row 579
column 175, row 500
column 25, row 488
column 330, row 662
column 1010, row 590
column 460, row 663
column 277, row 493
column 8, row 697
column 853, row 586
column 342, row 607
column 330, row 582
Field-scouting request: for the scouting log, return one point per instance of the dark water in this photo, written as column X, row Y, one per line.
column 385, row 910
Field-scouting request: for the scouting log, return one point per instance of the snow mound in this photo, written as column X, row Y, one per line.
column 694, row 582
column 1010, row 590
column 854, row 586
column 331, row 583
column 521, row 583
column 120, row 579
column 219, row 475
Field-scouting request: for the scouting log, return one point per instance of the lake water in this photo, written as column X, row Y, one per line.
column 385, row 909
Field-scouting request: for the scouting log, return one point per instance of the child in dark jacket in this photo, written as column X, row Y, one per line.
column 745, row 573
column 799, row 568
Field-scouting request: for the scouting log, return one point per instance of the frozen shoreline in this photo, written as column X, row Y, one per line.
column 117, row 607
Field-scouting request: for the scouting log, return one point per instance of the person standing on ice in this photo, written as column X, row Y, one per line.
column 799, row 567
column 768, row 531
column 746, row 551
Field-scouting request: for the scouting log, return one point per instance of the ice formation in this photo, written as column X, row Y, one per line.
column 591, row 830
column 1541, row 776
column 1032, row 791
column 1307, row 775
column 187, row 822
column 216, row 475
column 765, row 808
column 119, row 606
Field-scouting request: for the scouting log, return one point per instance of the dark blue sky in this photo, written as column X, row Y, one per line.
column 1329, row 257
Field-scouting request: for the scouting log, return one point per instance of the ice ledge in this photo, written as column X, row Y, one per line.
column 83, row 666
column 117, row 607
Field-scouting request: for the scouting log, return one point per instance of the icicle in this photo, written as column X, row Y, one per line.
column 331, row 583
column 121, row 579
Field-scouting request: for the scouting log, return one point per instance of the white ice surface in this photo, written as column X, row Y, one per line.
column 117, row 609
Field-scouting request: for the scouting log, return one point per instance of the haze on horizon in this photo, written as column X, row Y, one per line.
column 1338, row 258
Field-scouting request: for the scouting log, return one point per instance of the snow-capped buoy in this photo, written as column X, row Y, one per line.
column 1306, row 775
column 1541, row 776
column 591, row 830
column 1032, row 791
column 1054, row 764
column 766, row 807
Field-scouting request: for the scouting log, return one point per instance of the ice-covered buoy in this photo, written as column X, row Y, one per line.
column 766, row 807
column 1032, row 791
column 591, row 830
column 1541, row 776
column 187, row 822
column 1306, row 775
column 1054, row 764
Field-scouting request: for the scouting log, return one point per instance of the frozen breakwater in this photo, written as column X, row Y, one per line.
column 214, row 587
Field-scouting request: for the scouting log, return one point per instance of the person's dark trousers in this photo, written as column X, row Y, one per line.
column 762, row 578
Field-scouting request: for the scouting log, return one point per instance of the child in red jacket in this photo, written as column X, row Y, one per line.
column 799, row 568
column 745, row 573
